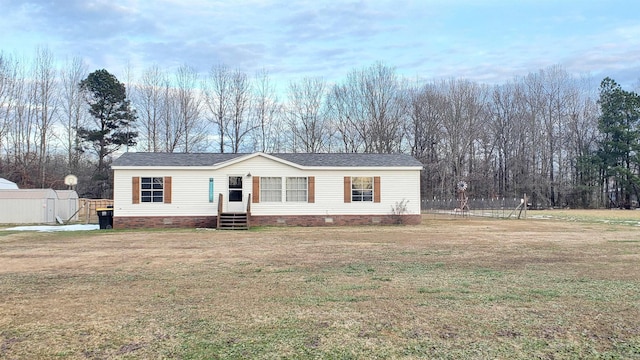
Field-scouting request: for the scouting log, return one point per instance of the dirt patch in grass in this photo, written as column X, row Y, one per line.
column 449, row 288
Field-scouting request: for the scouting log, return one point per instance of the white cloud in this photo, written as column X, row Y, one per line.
column 482, row 40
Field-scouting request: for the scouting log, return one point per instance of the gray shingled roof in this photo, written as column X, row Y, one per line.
column 172, row 159
column 350, row 160
column 303, row 159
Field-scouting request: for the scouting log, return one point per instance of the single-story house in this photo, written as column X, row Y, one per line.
column 208, row 189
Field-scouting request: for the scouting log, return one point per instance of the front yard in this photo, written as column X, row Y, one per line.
column 450, row 288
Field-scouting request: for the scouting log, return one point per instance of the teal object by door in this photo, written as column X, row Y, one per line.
column 210, row 190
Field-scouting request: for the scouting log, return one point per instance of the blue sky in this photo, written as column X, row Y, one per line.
column 488, row 41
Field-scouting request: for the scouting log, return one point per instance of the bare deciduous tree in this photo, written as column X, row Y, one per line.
column 384, row 104
column 506, row 111
column 461, row 125
column 188, row 108
column 21, row 152
column 305, row 115
column 266, row 111
column 73, row 111
column 172, row 132
column 241, row 123
column 44, row 96
column 343, row 109
column 217, row 92
column 152, row 101
column 370, row 110
column 424, row 133
column 7, row 83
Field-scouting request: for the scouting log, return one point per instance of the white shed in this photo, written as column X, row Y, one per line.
column 7, row 185
column 28, row 206
column 67, row 205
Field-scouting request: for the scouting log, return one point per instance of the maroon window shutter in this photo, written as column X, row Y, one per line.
column 311, row 189
column 167, row 189
column 376, row 189
column 135, row 190
column 347, row 189
column 255, row 197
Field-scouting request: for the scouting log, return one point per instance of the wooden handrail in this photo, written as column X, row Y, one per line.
column 248, row 210
column 220, row 198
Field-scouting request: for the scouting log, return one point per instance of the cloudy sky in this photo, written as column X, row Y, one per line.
column 489, row 41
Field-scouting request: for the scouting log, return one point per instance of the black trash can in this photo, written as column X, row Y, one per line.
column 105, row 217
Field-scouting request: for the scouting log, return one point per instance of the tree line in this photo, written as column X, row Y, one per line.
column 557, row 137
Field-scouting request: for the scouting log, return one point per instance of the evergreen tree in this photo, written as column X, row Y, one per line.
column 114, row 118
column 620, row 143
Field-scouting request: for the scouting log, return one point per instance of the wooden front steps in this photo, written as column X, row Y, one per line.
column 233, row 221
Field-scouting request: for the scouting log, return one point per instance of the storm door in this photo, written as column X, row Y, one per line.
column 235, row 194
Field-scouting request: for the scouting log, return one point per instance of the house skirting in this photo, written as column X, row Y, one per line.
column 137, row 222
column 334, row 220
column 141, row 222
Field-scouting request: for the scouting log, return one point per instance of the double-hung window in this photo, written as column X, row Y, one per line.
column 361, row 189
column 297, row 189
column 271, row 189
column 151, row 189
column 284, row 189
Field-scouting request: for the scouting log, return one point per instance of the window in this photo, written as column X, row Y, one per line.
column 297, row 189
column 271, row 189
column 151, row 189
column 361, row 189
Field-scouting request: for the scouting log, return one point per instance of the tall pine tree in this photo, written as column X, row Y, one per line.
column 114, row 119
column 620, row 144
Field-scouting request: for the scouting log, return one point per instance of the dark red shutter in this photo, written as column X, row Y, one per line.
column 135, row 190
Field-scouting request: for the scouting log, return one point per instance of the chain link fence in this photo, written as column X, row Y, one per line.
column 498, row 208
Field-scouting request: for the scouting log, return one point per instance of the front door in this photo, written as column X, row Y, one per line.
column 235, row 194
column 51, row 211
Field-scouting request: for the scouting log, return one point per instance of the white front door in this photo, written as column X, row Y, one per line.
column 235, row 197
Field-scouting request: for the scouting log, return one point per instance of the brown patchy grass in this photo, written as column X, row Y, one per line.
column 450, row 288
